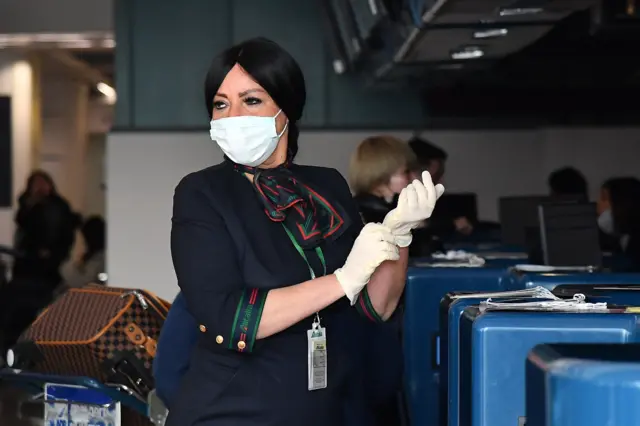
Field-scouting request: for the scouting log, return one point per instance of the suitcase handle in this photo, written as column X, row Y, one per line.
column 149, row 302
column 126, row 369
column 435, row 351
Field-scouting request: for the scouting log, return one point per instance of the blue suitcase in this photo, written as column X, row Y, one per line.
column 550, row 280
column 494, row 346
column 451, row 308
column 583, row 385
column 425, row 287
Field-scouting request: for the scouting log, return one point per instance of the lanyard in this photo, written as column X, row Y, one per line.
column 304, row 256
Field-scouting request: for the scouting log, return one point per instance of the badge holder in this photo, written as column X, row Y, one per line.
column 317, row 355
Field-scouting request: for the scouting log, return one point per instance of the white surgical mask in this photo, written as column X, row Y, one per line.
column 605, row 222
column 248, row 140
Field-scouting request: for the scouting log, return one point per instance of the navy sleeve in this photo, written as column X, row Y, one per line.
column 208, row 270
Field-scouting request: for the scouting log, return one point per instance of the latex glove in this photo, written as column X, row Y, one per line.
column 374, row 245
column 415, row 205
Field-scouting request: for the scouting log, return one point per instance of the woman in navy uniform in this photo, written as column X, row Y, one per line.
column 273, row 260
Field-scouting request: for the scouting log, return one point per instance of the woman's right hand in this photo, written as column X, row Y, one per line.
column 374, row 245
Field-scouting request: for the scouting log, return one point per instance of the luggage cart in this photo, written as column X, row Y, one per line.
column 101, row 403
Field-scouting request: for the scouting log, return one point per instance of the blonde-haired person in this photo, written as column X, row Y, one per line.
column 380, row 167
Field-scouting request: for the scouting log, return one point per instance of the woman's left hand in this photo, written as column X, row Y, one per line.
column 415, row 204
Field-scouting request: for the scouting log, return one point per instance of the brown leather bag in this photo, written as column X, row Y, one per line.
column 106, row 333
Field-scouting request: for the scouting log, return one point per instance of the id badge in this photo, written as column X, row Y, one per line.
column 317, row 357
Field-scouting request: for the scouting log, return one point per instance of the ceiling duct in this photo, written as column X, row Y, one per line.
column 465, row 35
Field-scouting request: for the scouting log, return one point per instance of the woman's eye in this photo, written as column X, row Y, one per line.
column 252, row 101
column 219, row 105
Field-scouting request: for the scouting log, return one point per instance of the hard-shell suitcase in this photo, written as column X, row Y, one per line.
column 425, row 287
column 494, row 346
column 446, row 345
column 451, row 308
column 578, row 385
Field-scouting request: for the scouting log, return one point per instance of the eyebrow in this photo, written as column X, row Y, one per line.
column 241, row 94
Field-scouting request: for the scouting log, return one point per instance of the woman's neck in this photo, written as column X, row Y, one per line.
column 279, row 156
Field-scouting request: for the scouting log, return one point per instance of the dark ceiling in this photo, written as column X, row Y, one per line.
column 569, row 76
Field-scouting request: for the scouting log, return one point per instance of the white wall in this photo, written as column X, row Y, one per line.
column 95, row 183
column 144, row 168
column 142, row 171
column 16, row 81
column 64, row 135
column 598, row 153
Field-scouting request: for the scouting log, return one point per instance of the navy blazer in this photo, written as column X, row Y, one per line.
column 227, row 255
column 381, row 368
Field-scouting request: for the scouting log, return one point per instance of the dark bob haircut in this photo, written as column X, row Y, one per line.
column 271, row 67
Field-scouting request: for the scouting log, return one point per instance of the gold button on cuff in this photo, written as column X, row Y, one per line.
column 241, row 345
column 219, row 340
column 203, row 328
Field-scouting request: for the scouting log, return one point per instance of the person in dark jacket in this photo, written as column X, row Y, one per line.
column 45, row 231
column 380, row 168
column 619, row 218
column 274, row 263
column 89, row 267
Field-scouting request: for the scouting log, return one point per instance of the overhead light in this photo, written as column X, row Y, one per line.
column 58, row 40
column 491, row 33
column 108, row 92
column 518, row 11
column 467, row 52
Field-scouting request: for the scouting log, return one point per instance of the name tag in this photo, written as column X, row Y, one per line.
column 317, row 357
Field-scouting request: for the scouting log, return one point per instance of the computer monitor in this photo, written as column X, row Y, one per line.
column 452, row 206
column 569, row 234
column 519, row 215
